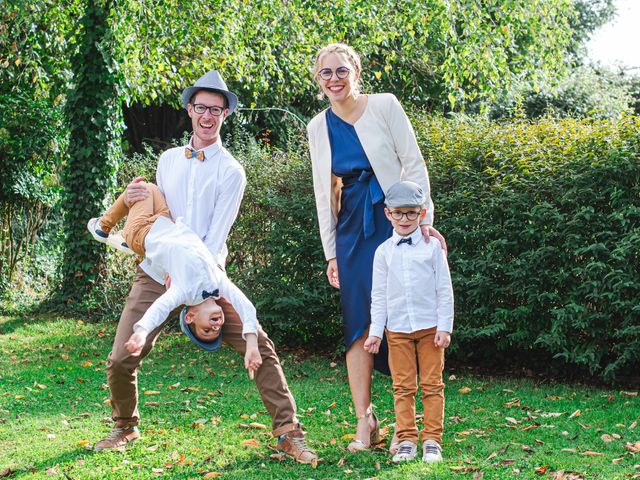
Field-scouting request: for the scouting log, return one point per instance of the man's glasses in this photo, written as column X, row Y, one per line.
column 397, row 215
column 327, row 73
column 214, row 110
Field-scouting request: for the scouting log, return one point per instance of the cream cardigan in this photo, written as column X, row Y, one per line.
column 388, row 140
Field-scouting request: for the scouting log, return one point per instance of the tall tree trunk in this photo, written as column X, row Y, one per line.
column 95, row 120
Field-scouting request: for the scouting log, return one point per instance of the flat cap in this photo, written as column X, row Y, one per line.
column 405, row 194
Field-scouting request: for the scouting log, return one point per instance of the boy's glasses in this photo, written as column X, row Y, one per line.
column 397, row 215
column 327, row 73
column 200, row 109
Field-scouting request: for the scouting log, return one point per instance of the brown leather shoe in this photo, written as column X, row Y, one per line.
column 119, row 436
column 295, row 445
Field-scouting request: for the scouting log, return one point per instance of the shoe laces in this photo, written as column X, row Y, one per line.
column 432, row 449
column 300, row 443
column 116, row 432
column 405, row 450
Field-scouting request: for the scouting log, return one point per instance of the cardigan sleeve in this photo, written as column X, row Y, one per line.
column 323, row 192
column 408, row 151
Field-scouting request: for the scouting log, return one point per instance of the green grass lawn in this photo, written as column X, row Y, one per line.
column 198, row 410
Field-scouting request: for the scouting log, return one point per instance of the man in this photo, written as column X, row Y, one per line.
column 203, row 185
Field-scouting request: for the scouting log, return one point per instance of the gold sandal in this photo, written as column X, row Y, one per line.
column 374, row 436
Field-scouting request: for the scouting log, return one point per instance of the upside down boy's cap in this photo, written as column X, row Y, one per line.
column 209, row 346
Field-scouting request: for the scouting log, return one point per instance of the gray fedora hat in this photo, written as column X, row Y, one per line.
column 405, row 194
column 212, row 82
column 187, row 331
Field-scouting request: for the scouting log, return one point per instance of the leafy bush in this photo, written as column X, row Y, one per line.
column 33, row 143
column 585, row 92
column 542, row 222
column 275, row 251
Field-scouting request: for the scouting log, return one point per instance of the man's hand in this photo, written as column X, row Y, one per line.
column 332, row 273
column 372, row 344
column 442, row 339
column 252, row 358
column 135, row 191
column 428, row 230
column 136, row 342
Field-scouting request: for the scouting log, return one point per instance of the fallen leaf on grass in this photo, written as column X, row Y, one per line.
column 7, row 472
column 591, row 453
column 633, row 447
column 152, row 448
column 562, row 475
column 251, row 442
column 513, row 403
column 333, row 404
column 258, row 425
column 630, row 394
column 577, row 413
column 151, row 392
column 87, row 363
column 348, row 436
column 616, row 461
column 541, row 470
column 512, row 420
column 213, row 475
column 491, row 455
column 52, row 470
column 157, row 470
column 82, row 443
column 461, row 468
column 606, row 438
column 464, row 390
column 633, row 425
column 278, row 456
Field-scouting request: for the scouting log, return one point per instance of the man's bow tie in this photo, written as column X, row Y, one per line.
column 206, row 294
column 191, row 153
column 405, row 240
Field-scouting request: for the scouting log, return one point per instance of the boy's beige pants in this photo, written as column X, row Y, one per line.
column 408, row 354
column 122, row 367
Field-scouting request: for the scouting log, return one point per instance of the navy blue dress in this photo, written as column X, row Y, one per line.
column 362, row 227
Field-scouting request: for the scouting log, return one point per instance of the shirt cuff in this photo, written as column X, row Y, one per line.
column 376, row 330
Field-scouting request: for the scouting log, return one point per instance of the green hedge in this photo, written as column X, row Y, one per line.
column 541, row 218
column 542, row 222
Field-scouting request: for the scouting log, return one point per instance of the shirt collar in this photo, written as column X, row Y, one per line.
column 415, row 236
column 209, row 151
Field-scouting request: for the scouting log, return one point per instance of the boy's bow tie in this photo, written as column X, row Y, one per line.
column 405, row 240
column 206, row 294
column 191, row 153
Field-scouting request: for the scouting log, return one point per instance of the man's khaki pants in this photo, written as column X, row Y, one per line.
column 122, row 367
column 408, row 353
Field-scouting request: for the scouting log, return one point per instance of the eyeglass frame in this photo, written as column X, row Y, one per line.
column 395, row 213
column 339, row 76
column 211, row 108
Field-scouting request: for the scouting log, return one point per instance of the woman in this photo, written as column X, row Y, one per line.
column 360, row 146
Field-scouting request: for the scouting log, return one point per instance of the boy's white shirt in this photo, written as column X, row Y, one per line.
column 175, row 249
column 411, row 286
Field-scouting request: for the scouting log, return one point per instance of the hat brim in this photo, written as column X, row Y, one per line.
column 187, row 331
column 189, row 92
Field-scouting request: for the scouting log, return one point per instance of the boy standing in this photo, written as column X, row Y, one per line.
column 412, row 297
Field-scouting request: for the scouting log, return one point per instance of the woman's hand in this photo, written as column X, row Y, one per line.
column 332, row 273
column 428, row 230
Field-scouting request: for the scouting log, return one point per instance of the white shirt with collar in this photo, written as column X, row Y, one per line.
column 206, row 195
column 175, row 249
column 411, row 286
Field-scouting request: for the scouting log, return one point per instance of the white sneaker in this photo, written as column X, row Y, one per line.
column 113, row 239
column 407, row 451
column 431, row 451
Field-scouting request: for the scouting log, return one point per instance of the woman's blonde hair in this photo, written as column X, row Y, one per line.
column 340, row 49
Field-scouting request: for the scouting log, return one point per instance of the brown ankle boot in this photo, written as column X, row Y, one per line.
column 294, row 444
column 120, row 435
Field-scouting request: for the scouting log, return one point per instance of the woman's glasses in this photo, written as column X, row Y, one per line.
column 327, row 73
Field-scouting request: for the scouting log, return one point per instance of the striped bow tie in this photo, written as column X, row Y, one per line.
column 191, row 153
column 405, row 240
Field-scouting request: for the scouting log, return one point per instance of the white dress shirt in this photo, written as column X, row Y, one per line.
column 206, row 195
column 411, row 286
column 175, row 249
